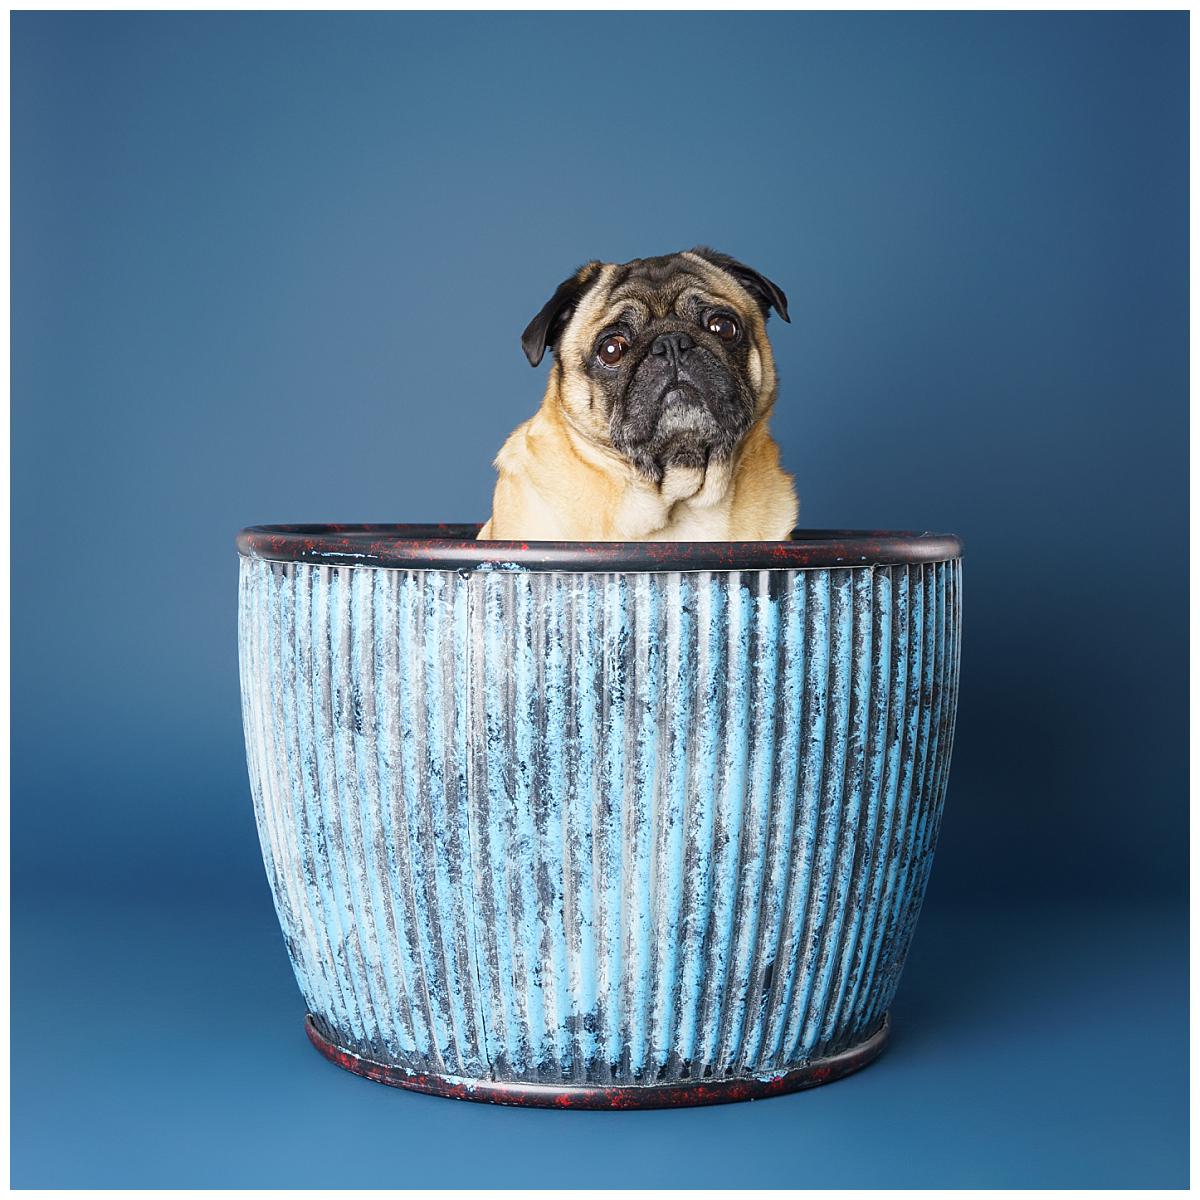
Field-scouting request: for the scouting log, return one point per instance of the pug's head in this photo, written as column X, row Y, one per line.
column 663, row 360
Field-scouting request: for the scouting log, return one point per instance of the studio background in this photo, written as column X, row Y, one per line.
column 272, row 267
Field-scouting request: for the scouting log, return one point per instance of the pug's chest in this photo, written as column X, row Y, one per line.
column 689, row 523
column 664, row 515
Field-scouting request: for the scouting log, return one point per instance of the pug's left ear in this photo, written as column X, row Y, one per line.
column 544, row 330
column 769, row 295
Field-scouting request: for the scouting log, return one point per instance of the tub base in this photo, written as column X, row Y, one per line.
column 679, row 1094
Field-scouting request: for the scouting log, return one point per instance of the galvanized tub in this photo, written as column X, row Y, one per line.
column 597, row 825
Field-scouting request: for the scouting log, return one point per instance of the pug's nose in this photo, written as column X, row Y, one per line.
column 671, row 343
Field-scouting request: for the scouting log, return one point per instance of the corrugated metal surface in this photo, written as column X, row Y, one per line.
column 598, row 828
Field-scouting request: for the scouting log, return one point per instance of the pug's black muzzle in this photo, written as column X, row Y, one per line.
column 683, row 406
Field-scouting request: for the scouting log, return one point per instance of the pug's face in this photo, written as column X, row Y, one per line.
column 663, row 360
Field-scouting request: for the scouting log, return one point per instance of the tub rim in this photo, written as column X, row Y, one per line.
column 453, row 547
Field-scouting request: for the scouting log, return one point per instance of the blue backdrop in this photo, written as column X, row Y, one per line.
column 275, row 267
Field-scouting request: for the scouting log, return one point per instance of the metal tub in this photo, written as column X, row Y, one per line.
column 601, row 825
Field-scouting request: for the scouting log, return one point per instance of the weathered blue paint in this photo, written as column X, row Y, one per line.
column 598, row 829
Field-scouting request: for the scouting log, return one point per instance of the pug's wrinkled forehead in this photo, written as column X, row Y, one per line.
column 648, row 290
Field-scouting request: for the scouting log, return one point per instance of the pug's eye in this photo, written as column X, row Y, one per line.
column 724, row 326
column 611, row 349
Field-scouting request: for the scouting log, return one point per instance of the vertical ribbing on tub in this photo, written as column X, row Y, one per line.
column 598, row 828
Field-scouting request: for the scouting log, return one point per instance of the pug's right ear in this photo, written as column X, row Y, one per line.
column 544, row 330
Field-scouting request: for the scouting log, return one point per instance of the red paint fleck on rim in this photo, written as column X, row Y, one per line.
column 453, row 547
column 597, row 1096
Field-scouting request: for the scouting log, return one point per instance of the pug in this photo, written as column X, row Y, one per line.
column 654, row 422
